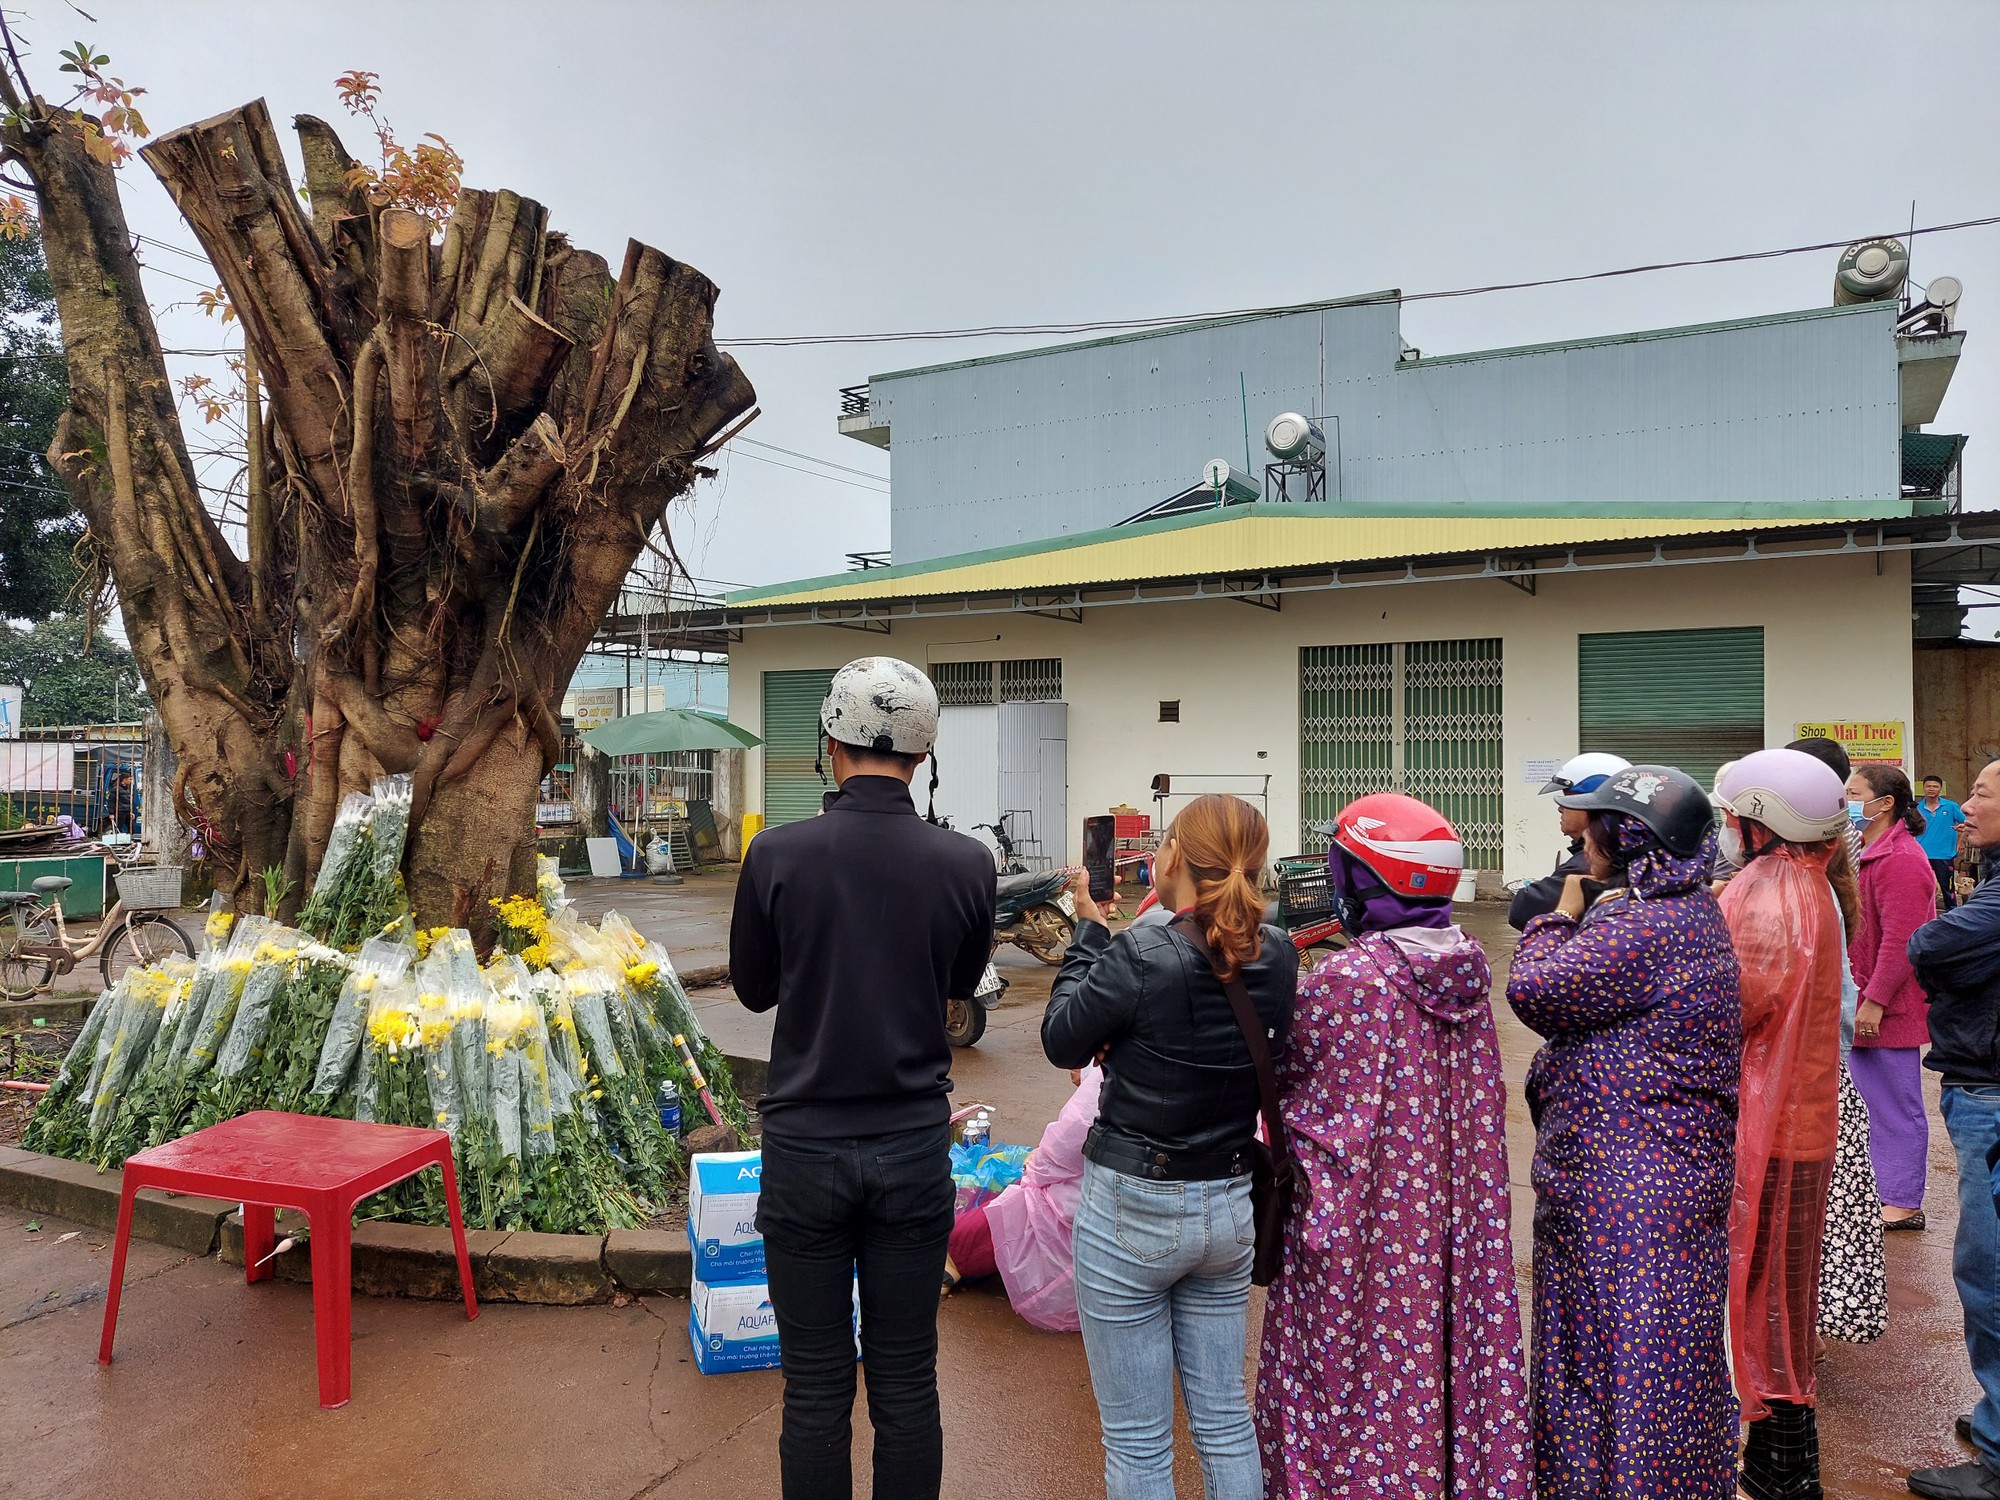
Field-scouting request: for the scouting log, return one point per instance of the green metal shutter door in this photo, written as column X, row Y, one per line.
column 791, row 743
column 1687, row 698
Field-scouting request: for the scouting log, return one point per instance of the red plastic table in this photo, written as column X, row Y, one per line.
column 268, row 1160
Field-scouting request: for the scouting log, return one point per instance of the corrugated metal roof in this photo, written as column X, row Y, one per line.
column 1801, row 408
column 1258, row 539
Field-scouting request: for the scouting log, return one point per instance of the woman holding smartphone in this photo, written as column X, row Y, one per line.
column 1164, row 1237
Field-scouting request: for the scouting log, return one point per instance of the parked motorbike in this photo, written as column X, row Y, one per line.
column 1304, row 907
column 965, row 1020
column 1036, row 913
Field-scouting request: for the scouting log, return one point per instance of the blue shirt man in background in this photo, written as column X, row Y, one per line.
column 1942, row 820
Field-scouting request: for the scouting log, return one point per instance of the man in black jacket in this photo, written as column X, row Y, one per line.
column 1581, row 773
column 859, row 925
column 1957, row 958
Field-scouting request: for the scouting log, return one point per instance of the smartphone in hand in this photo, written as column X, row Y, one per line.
column 1098, row 842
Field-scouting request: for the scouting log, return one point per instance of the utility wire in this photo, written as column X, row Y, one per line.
column 786, row 341
column 879, row 489
column 823, row 462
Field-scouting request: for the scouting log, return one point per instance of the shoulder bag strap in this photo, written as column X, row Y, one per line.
column 1254, row 1032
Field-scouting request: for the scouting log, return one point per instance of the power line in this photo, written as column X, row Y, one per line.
column 1102, row 325
column 147, row 239
column 824, row 462
column 814, row 473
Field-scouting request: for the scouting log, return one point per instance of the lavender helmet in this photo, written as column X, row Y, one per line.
column 1795, row 795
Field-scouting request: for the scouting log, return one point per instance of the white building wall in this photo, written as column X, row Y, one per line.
column 1837, row 645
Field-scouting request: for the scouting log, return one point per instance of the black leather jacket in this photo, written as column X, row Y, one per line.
column 1180, row 1096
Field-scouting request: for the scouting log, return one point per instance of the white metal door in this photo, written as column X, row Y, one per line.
column 1034, row 764
column 968, row 765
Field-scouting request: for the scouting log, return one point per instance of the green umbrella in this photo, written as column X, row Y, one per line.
column 668, row 730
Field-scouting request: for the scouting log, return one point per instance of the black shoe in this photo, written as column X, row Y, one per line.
column 1963, row 1427
column 1958, row 1482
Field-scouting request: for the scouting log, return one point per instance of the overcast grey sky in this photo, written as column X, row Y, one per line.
column 868, row 166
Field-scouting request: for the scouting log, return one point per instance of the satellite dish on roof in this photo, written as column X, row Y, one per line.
column 1871, row 271
column 1944, row 291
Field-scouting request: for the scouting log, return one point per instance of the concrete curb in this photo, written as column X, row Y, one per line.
column 76, row 1190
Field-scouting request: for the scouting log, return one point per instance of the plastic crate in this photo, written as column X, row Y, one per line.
column 157, row 888
column 1303, row 892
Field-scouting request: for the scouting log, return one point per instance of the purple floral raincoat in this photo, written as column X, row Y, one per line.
column 1634, row 1102
column 1392, row 1340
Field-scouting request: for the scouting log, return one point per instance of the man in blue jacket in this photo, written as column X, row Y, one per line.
column 1957, row 957
column 858, row 925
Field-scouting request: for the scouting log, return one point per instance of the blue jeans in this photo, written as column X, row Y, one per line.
column 1163, row 1285
column 1972, row 1116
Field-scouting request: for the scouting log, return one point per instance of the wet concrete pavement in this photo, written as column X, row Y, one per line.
column 213, row 1390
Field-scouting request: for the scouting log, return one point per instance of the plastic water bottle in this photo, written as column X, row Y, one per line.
column 670, row 1108
column 979, row 1130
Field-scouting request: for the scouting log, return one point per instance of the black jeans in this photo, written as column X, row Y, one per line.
column 882, row 1204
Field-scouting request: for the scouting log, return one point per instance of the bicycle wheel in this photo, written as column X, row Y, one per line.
column 23, row 976
column 144, row 938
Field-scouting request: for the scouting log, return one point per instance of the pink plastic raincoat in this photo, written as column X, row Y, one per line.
column 1786, row 931
column 1031, row 1221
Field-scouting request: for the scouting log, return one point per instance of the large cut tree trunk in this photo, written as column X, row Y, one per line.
column 462, row 449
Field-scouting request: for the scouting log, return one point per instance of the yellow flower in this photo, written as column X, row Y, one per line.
column 364, row 982
column 642, row 973
column 436, row 1032
column 217, row 925
column 391, row 1029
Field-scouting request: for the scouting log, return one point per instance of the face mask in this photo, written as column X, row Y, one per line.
column 1730, row 843
column 1858, row 812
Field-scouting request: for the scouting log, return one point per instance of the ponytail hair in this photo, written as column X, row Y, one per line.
column 1223, row 842
column 1889, row 781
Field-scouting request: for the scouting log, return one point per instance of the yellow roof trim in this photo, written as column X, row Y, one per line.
column 1258, row 543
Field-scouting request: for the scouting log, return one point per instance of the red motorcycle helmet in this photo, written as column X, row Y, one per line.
column 1410, row 845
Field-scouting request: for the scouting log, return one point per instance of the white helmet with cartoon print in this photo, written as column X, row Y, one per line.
column 882, row 704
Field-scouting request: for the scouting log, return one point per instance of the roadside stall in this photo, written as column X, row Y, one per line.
column 662, row 781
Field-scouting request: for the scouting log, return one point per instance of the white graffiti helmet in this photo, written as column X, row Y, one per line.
column 882, row 704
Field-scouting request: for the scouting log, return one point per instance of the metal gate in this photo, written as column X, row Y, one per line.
column 1422, row 718
column 791, row 743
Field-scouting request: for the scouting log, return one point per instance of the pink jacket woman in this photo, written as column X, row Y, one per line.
column 1031, row 1221
column 1898, row 895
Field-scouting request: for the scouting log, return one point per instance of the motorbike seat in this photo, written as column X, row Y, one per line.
column 49, row 885
column 1009, row 885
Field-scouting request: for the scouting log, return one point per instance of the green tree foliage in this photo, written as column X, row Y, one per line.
column 39, row 527
column 65, row 686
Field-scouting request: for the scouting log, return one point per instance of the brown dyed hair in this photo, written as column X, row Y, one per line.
column 1224, row 842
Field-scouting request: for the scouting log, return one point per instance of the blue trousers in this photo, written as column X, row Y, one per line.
column 1972, row 1116
column 1163, row 1287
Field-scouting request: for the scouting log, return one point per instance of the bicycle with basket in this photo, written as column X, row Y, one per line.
column 36, row 947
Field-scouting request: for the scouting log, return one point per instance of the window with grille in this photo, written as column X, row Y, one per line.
column 962, row 684
column 1037, row 680
column 1170, row 710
